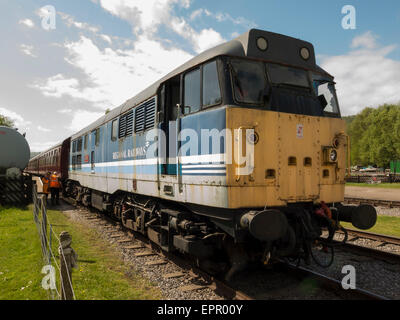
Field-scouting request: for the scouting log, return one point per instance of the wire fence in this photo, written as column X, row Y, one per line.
column 374, row 178
column 62, row 261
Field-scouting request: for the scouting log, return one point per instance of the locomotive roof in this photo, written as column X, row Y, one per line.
column 281, row 48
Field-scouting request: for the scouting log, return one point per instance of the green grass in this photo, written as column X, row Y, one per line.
column 385, row 225
column 101, row 274
column 379, row 185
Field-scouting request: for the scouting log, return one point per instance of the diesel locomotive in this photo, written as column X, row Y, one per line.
column 238, row 155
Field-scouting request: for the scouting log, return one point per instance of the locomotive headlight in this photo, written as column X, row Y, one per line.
column 262, row 44
column 305, row 53
column 333, row 155
column 330, row 155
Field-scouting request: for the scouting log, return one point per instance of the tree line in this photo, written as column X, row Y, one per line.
column 375, row 136
column 4, row 121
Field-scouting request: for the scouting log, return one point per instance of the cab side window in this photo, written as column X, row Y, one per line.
column 192, row 96
column 211, row 89
column 201, row 88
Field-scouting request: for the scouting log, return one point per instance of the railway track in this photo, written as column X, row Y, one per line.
column 331, row 284
column 373, row 202
column 136, row 242
column 383, row 240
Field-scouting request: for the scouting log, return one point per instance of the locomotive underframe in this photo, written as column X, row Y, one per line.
column 215, row 238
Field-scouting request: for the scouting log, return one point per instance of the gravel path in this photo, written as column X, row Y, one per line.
column 393, row 212
column 372, row 193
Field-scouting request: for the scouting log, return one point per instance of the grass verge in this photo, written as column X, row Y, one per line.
column 101, row 274
column 385, row 225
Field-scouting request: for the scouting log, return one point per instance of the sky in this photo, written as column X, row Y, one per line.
column 55, row 79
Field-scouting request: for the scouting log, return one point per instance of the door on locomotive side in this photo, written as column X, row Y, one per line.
column 94, row 141
column 168, row 117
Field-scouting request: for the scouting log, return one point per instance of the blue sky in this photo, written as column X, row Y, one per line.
column 102, row 52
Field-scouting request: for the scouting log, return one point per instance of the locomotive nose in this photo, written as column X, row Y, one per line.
column 267, row 225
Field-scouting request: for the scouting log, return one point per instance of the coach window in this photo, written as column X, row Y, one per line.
column 74, row 146
column 211, row 89
column 192, row 92
column 114, row 130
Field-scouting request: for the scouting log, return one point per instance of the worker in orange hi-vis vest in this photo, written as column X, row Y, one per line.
column 55, row 186
column 46, row 184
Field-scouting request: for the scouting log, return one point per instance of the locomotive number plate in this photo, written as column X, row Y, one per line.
column 300, row 131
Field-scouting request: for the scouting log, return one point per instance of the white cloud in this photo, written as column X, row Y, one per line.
column 113, row 75
column 58, row 85
column 27, row 22
column 201, row 41
column 27, row 49
column 41, row 146
column 366, row 40
column 65, row 111
column 223, row 17
column 106, row 38
column 365, row 77
column 83, row 118
column 19, row 121
column 70, row 21
column 42, row 129
column 199, row 12
column 146, row 16
column 143, row 15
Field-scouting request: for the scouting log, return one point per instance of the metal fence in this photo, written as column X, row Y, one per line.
column 376, row 178
column 61, row 261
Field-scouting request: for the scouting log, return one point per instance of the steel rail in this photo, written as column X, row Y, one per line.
column 373, row 202
column 385, row 239
column 331, row 284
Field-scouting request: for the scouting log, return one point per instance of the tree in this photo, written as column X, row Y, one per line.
column 4, row 121
column 375, row 136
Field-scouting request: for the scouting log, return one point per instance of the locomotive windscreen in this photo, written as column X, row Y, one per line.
column 282, row 88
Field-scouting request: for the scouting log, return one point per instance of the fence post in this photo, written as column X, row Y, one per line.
column 43, row 210
column 67, row 262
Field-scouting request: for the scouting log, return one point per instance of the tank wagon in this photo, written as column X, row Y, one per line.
column 238, row 155
column 14, row 157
